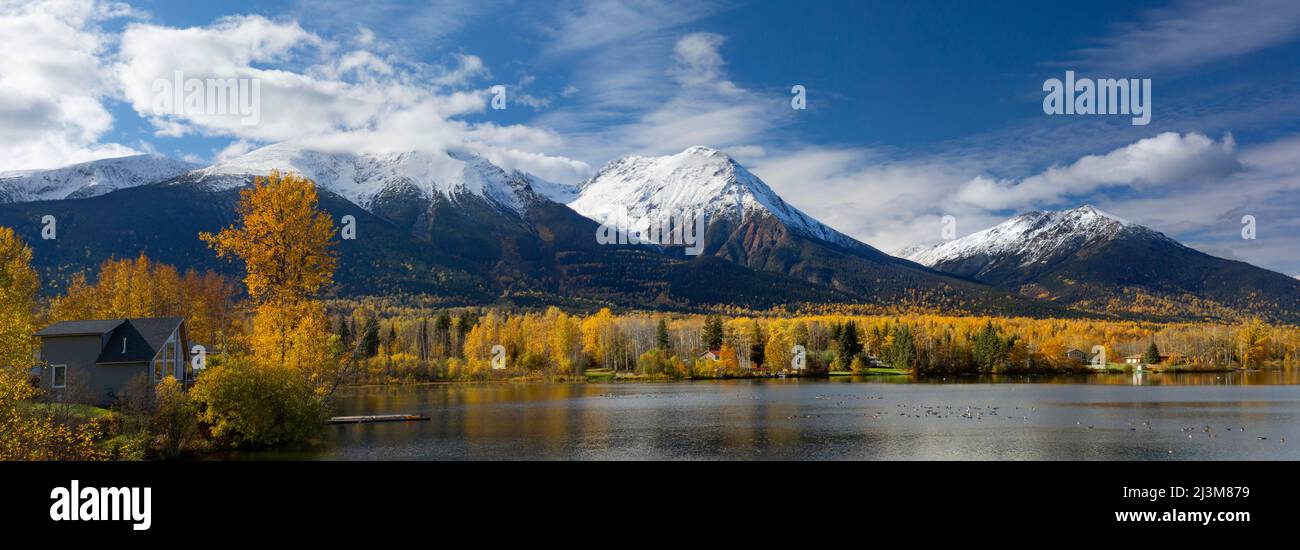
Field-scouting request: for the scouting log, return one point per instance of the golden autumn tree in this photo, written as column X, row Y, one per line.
column 25, row 435
column 144, row 288
column 285, row 243
column 18, row 288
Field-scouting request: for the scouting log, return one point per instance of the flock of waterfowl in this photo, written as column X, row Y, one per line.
column 975, row 413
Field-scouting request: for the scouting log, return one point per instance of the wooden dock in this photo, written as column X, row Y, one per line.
column 377, row 418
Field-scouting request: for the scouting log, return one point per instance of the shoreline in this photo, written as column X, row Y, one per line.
column 881, row 373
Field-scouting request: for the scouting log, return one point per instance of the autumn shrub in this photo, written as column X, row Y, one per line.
column 30, row 433
column 174, row 423
column 248, row 405
column 859, row 365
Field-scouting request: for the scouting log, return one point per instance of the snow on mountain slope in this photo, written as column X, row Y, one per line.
column 698, row 180
column 89, row 179
column 362, row 178
column 1032, row 237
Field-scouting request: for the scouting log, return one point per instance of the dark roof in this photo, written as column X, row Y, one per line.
column 144, row 337
column 80, row 328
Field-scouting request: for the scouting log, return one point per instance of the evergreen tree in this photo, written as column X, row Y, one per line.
column 345, row 334
column 903, row 349
column 1152, row 355
column 989, row 349
column 835, row 331
column 661, row 335
column 756, row 345
column 849, row 343
column 370, row 337
column 713, row 333
column 443, row 327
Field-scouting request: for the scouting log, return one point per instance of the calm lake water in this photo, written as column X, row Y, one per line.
column 1099, row 417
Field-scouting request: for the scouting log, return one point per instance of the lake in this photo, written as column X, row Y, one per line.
column 1209, row 416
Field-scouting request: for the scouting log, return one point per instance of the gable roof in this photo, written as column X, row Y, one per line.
column 144, row 337
column 80, row 328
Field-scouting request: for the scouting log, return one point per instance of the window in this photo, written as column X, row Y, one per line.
column 164, row 363
column 60, row 375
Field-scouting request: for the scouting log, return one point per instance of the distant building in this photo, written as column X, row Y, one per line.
column 1169, row 359
column 711, row 355
column 93, row 361
column 1076, row 355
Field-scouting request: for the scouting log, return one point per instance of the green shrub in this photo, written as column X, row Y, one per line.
column 253, row 405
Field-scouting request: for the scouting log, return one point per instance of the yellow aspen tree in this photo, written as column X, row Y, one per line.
column 285, row 243
column 19, row 285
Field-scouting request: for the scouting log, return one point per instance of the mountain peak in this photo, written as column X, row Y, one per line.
column 1090, row 210
column 362, row 178
column 1033, row 237
column 704, row 151
column 699, row 180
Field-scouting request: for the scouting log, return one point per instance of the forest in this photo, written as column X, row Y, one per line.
column 402, row 344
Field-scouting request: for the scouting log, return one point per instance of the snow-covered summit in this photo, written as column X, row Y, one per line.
column 361, row 178
column 89, row 179
column 1032, row 237
column 698, row 180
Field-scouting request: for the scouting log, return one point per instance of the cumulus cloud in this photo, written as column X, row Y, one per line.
column 324, row 94
column 1161, row 160
column 52, row 83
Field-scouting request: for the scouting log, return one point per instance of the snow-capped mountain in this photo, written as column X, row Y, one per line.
column 89, row 179
column 699, row 180
column 1092, row 260
column 749, row 224
column 370, row 179
column 1030, row 241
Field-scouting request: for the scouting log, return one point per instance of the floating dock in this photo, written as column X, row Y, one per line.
column 377, row 418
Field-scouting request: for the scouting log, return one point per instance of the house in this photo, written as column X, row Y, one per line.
column 93, row 361
column 711, row 355
column 1170, row 359
column 1076, row 355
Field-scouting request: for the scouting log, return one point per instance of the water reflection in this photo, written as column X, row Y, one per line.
column 1154, row 416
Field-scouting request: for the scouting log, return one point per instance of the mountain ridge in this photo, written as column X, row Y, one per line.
column 1091, row 260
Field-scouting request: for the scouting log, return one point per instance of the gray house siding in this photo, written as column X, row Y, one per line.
column 84, row 380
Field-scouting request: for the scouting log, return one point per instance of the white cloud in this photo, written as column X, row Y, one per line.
column 677, row 95
column 1193, row 33
column 888, row 203
column 585, row 25
column 52, row 88
column 319, row 93
column 1168, row 158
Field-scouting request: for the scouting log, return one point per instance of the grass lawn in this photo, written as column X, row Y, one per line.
column 76, row 409
column 870, row 371
column 600, row 375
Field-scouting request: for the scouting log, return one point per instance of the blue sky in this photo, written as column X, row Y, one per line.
column 916, row 110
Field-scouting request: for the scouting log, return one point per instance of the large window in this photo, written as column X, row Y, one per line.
column 165, row 362
column 60, row 373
